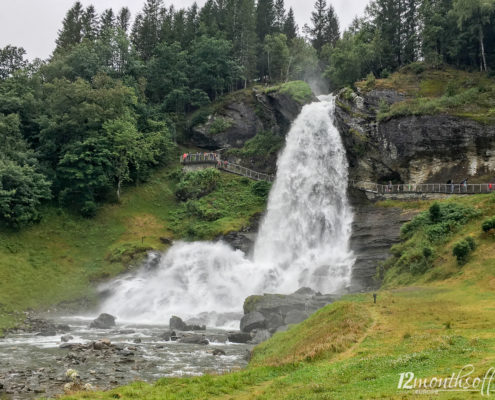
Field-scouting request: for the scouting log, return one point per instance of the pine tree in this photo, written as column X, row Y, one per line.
column 192, row 23
column 146, row 29
column 290, row 27
column 123, row 19
column 318, row 21
column 332, row 30
column 89, row 23
column 246, row 40
column 107, row 22
column 71, row 32
column 410, row 39
column 265, row 18
column 279, row 12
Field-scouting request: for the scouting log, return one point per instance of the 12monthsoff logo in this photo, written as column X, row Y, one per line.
column 465, row 380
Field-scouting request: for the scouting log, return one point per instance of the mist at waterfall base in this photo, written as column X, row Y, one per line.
column 302, row 242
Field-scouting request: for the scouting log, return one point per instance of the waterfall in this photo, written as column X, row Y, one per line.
column 303, row 240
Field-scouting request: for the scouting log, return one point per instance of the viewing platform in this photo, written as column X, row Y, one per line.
column 420, row 188
column 195, row 161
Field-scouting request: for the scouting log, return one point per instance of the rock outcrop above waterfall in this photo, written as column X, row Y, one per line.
column 421, row 148
column 240, row 116
column 270, row 312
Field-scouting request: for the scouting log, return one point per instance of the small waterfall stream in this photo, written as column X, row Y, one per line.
column 303, row 240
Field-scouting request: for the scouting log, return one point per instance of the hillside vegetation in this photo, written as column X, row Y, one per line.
column 65, row 255
column 432, row 323
column 441, row 90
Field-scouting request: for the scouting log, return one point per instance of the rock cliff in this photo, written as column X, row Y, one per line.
column 415, row 149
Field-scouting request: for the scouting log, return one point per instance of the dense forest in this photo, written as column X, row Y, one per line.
column 109, row 105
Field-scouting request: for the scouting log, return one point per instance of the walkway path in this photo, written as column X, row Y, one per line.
column 446, row 188
column 210, row 160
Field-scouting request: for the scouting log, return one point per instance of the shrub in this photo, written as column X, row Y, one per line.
column 427, row 252
column 488, row 224
column 261, row 188
column 370, row 81
column 88, row 209
column 219, row 125
column 461, row 251
column 435, row 212
column 471, row 242
column 196, row 184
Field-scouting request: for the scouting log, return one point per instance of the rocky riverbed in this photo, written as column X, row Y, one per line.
column 34, row 360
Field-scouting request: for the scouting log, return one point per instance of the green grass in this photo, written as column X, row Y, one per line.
column 439, row 91
column 355, row 349
column 61, row 258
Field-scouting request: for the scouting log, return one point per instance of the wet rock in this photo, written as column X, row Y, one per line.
column 66, row 338
column 137, row 340
column 63, row 328
column 218, row 338
column 167, row 335
column 47, row 333
column 104, row 321
column 253, row 320
column 239, row 337
column 218, row 352
column 194, row 339
column 295, row 316
column 177, row 323
column 282, row 328
column 261, row 335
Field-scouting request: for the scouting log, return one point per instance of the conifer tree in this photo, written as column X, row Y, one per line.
column 316, row 32
column 146, row 30
column 71, row 32
column 265, row 18
column 123, row 19
column 290, row 27
column 279, row 12
column 332, row 30
column 89, row 21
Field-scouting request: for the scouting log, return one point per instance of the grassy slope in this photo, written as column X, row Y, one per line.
column 439, row 91
column 58, row 259
column 354, row 349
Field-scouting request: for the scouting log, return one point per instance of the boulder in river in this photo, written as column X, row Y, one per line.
column 253, row 320
column 218, row 352
column 104, row 321
column 239, row 337
column 194, row 339
column 48, row 332
column 66, row 338
column 177, row 323
column 260, row 336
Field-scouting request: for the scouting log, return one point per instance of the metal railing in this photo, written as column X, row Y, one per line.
column 215, row 160
column 445, row 188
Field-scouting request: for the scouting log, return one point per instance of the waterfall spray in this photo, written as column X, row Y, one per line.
column 303, row 240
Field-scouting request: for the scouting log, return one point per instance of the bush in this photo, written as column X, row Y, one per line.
column 471, row 242
column 488, row 224
column 370, row 81
column 435, row 212
column 427, row 252
column 462, row 249
column 196, row 184
column 261, row 188
column 219, row 125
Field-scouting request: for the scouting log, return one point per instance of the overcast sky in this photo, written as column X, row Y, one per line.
column 33, row 24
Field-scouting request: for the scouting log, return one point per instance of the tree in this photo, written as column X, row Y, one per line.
column 475, row 14
column 279, row 13
column 290, row 27
column 11, row 60
column 318, row 20
column 107, row 23
column 146, row 29
column 265, row 18
column 89, row 23
column 332, row 30
column 123, row 19
column 22, row 186
column 72, row 29
column 277, row 55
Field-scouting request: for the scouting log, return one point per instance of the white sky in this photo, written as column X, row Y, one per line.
column 33, row 24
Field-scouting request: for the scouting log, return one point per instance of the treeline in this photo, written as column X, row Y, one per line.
column 106, row 107
column 394, row 33
column 103, row 109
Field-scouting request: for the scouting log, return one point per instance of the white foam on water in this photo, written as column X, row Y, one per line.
column 303, row 240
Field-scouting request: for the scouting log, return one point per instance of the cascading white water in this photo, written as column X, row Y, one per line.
column 303, row 240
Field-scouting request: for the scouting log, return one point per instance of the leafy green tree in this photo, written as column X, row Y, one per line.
column 277, row 53
column 11, row 60
column 474, row 15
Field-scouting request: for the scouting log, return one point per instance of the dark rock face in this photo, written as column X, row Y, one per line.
column 104, row 321
column 374, row 230
column 176, row 323
column 253, row 320
column 416, row 149
column 270, row 312
column 242, row 117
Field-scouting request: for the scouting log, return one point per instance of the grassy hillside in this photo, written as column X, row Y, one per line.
column 438, row 91
column 59, row 259
column 355, row 349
